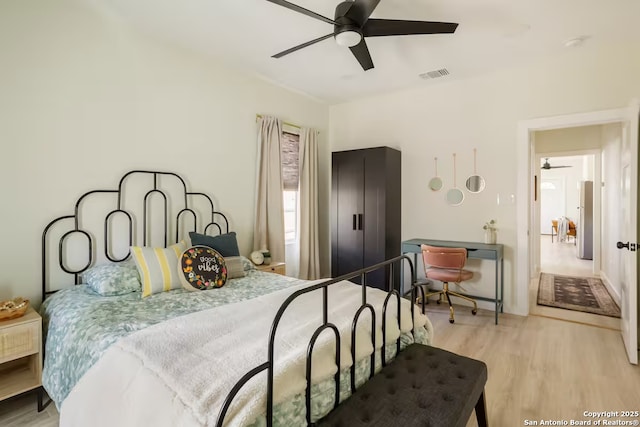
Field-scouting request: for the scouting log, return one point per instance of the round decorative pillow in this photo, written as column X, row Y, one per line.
column 202, row 268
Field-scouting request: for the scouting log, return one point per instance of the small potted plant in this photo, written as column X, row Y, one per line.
column 490, row 235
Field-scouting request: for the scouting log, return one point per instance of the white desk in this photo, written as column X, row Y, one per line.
column 474, row 250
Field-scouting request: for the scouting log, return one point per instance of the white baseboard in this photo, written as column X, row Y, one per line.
column 614, row 293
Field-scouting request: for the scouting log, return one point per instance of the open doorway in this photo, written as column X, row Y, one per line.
column 566, row 214
column 567, row 220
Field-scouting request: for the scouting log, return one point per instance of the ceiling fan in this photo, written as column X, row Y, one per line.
column 351, row 25
column 547, row 165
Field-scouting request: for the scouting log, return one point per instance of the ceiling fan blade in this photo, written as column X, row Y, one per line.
column 393, row 27
column 302, row 10
column 361, row 52
column 546, row 165
column 301, row 46
column 361, row 10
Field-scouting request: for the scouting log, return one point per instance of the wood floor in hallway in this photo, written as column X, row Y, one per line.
column 561, row 258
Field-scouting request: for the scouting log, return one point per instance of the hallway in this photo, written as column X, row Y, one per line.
column 560, row 258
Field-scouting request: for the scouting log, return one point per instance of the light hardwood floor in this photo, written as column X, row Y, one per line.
column 542, row 368
column 22, row 411
column 539, row 368
column 561, row 258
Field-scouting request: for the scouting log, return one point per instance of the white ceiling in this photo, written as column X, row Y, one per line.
column 492, row 34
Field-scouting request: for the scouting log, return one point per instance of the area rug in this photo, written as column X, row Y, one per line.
column 586, row 294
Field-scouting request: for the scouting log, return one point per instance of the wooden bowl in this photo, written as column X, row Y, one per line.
column 12, row 309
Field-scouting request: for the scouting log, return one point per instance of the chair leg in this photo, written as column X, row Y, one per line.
column 446, row 292
column 475, row 304
column 481, row 411
column 426, row 297
column 433, row 293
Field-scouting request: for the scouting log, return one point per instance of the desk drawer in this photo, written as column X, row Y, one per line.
column 481, row 254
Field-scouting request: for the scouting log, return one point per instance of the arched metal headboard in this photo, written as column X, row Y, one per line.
column 184, row 203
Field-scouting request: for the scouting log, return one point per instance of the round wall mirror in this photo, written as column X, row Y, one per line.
column 435, row 184
column 455, row 196
column 475, row 183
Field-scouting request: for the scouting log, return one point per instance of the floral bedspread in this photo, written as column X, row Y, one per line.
column 79, row 325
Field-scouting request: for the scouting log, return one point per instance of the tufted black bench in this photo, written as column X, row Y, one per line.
column 424, row 386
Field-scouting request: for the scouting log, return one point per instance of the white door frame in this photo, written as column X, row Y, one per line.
column 526, row 164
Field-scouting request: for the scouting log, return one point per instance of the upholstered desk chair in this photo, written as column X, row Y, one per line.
column 446, row 265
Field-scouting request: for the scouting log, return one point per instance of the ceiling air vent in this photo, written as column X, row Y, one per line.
column 434, row 74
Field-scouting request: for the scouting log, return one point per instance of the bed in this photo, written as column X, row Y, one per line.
column 264, row 349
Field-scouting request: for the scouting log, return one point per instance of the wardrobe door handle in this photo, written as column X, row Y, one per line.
column 354, row 221
column 359, row 221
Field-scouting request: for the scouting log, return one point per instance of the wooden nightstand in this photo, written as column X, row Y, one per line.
column 274, row 267
column 21, row 355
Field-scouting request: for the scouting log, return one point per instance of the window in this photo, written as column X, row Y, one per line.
column 290, row 177
column 290, row 215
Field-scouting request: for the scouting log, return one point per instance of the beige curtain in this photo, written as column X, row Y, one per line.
column 309, row 267
column 268, row 230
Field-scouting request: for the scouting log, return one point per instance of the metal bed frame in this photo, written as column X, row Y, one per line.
column 268, row 366
column 77, row 226
column 361, row 274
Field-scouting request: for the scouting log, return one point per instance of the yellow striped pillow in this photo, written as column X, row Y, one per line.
column 158, row 267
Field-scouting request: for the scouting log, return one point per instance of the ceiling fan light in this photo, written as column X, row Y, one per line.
column 348, row 38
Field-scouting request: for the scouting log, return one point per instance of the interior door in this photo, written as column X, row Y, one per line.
column 629, row 234
column 374, row 215
column 347, row 242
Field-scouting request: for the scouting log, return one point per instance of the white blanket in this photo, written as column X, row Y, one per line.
column 178, row 373
column 563, row 228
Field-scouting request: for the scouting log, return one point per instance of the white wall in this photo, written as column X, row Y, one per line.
column 83, row 99
column 482, row 112
column 569, row 139
column 611, row 200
